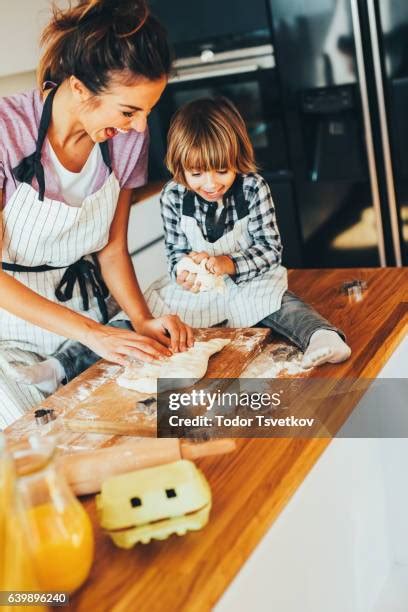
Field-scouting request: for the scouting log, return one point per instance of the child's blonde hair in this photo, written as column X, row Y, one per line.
column 208, row 134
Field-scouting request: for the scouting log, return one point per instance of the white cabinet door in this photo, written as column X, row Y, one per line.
column 328, row 550
column 145, row 241
column 341, row 543
column 145, row 224
column 150, row 264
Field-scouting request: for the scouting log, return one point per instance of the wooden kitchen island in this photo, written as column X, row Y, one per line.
column 252, row 485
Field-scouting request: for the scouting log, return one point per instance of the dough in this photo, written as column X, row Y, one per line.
column 190, row 364
column 209, row 281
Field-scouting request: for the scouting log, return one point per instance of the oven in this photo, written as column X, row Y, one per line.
column 245, row 76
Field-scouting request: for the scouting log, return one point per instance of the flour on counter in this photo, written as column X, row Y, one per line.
column 108, row 371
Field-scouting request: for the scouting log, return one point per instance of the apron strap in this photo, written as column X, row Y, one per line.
column 241, row 205
column 188, row 207
column 31, row 166
column 13, row 267
column 104, row 147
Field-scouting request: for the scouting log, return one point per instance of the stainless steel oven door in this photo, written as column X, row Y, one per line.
column 249, row 81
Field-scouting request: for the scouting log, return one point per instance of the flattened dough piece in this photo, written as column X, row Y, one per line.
column 209, row 281
column 190, row 364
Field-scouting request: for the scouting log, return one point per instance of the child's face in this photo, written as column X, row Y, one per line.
column 210, row 185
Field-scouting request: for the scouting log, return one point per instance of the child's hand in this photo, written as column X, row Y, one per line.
column 198, row 257
column 188, row 280
column 222, row 264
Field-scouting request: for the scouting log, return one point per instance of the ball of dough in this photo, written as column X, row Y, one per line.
column 209, row 282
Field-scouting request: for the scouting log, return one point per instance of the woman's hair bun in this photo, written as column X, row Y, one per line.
column 94, row 39
column 125, row 16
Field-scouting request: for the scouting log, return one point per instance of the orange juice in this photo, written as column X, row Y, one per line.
column 18, row 574
column 15, row 568
column 5, row 505
column 16, row 571
column 61, row 545
column 57, row 529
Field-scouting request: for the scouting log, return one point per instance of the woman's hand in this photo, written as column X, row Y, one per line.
column 169, row 330
column 117, row 345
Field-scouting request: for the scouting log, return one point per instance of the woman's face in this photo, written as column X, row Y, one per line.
column 210, row 185
column 120, row 109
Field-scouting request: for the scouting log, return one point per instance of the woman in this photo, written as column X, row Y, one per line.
column 69, row 159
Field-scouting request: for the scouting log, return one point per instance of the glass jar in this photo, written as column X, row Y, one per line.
column 16, row 569
column 57, row 528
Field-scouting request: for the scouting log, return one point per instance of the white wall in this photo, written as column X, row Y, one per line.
column 21, row 22
column 16, row 83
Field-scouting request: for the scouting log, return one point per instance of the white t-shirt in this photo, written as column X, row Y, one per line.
column 75, row 186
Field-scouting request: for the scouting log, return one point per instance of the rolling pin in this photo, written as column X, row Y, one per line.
column 85, row 471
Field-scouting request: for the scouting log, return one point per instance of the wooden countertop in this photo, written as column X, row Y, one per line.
column 252, row 485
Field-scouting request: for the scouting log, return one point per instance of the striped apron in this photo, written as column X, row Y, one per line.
column 47, row 246
column 244, row 304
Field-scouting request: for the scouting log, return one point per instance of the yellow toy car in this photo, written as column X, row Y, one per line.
column 153, row 503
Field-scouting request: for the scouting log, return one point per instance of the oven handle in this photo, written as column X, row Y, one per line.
column 194, row 76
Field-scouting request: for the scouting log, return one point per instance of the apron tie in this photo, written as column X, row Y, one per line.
column 80, row 272
column 28, row 168
column 31, row 166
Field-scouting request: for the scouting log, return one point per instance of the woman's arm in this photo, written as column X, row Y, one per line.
column 119, row 275
column 117, row 268
column 110, row 343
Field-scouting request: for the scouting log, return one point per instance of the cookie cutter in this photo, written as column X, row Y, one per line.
column 43, row 416
column 285, row 353
column 147, row 407
column 354, row 289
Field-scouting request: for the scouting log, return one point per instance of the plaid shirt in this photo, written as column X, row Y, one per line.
column 266, row 250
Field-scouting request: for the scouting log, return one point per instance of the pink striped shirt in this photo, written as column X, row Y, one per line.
column 19, row 120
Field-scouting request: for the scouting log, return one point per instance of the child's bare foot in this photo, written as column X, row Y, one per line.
column 325, row 346
column 46, row 375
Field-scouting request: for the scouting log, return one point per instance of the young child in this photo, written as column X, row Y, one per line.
column 218, row 209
